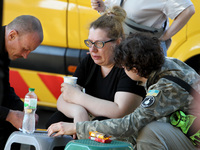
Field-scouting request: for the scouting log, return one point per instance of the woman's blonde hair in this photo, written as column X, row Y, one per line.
column 111, row 21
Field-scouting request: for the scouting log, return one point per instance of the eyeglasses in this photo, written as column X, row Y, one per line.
column 97, row 44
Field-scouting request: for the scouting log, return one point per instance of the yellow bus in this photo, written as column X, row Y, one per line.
column 186, row 43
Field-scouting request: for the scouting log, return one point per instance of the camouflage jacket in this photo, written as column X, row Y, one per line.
column 163, row 98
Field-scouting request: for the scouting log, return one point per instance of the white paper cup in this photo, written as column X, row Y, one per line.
column 70, row 80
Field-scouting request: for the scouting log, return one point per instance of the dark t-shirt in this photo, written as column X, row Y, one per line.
column 105, row 88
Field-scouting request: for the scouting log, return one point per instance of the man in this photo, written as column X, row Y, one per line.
column 148, row 127
column 23, row 35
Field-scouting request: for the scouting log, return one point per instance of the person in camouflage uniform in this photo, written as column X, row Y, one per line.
column 148, row 126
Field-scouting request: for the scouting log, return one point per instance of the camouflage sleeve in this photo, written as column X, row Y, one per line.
column 162, row 99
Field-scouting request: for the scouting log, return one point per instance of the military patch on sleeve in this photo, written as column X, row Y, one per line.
column 148, row 101
column 153, row 92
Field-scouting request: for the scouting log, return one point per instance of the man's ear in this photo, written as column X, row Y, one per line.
column 12, row 35
column 134, row 70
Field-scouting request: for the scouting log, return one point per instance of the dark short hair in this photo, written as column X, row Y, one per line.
column 141, row 51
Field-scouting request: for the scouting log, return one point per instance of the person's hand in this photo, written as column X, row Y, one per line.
column 68, row 87
column 70, row 93
column 62, row 128
column 15, row 117
column 98, row 5
column 80, row 88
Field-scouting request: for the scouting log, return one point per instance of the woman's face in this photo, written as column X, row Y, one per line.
column 101, row 56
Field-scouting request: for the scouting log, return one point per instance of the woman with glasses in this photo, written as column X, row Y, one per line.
column 109, row 92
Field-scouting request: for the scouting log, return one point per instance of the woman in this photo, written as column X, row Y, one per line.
column 154, row 13
column 148, row 126
column 110, row 93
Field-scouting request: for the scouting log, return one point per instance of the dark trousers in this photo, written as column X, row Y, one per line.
column 59, row 116
column 6, row 130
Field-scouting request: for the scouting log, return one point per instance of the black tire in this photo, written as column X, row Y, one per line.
column 194, row 62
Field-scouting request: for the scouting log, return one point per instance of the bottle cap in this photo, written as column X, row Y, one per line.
column 31, row 89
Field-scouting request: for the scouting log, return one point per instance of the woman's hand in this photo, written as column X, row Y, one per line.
column 70, row 93
column 62, row 128
column 98, row 5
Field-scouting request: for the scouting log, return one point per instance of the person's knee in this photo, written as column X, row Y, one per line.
column 148, row 130
column 149, row 138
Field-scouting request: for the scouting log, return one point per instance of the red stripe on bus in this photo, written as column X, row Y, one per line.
column 53, row 83
column 17, row 82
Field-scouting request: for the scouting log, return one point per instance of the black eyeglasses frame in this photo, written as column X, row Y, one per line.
column 93, row 43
